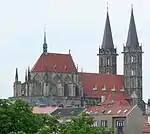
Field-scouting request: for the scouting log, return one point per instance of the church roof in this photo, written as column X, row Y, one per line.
column 97, row 85
column 132, row 39
column 55, row 62
column 107, row 37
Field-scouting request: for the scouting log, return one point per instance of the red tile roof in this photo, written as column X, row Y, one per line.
column 117, row 108
column 55, row 62
column 109, row 81
column 146, row 129
column 118, row 97
column 44, row 110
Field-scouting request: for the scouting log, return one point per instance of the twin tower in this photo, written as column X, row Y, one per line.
column 132, row 57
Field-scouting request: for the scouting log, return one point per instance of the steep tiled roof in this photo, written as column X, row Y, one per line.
column 116, row 108
column 68, row 111
column 44, row 110
column 55, row 62
column 95, row 84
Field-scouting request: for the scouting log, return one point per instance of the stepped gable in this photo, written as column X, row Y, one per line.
column 96, row 85
column 55, row 62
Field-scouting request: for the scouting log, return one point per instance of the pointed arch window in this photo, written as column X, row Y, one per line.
column 133, row 83
column 66, row 90
column 101, row 62
column 108, row 61
column 76, row 91
column 132, row 72
column 132, row 59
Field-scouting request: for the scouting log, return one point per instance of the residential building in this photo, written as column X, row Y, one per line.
column 119, row 116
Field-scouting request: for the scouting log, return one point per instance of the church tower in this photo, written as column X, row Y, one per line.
column 133, row 62
column 107, row 52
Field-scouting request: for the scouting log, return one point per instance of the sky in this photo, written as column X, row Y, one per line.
column 77, row 25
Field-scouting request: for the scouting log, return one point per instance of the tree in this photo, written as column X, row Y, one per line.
column 17, row 118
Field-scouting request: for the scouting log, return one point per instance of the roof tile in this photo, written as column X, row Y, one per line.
column 55, row 62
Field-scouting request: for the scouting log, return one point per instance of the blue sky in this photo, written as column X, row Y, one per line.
column 71, row 24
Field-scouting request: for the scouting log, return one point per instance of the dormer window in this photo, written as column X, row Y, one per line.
column 104, row 89
column 113, row 89
column 95, row 88
column 65, row 67
column 122, row 90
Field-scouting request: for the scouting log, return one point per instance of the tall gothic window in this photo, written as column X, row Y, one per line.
column 132, row 72
column 76, row 91
column 101, row 61
column 66, row 90
column 53, row 89
column 108, row 61
column 133, row 82
column 132, row 58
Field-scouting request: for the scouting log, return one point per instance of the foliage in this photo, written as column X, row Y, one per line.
column 17, row 118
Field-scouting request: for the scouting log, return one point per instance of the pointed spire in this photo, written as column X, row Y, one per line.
column 26, row 76
column 107, row 37
column 16, row 76
column 29, row 75
column 132, row 39
column 45, row 43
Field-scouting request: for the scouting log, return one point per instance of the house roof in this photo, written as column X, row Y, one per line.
column 44, row 110
column 146, row 128
column 55, row 62
column 68, row 111
column 116, row 108
column 97, row 85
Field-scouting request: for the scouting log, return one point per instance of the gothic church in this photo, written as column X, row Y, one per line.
column 56, row 77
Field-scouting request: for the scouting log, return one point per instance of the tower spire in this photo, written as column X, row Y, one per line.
column 26, row 76
column 132, row 39
column 16, row 76
column 107, row 37
column 45, row 43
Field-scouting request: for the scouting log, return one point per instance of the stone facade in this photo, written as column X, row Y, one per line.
column 64, row 88
column 107, row 61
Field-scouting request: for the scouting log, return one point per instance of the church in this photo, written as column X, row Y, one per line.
column 55, row 77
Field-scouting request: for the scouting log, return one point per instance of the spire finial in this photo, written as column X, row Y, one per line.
column 132, row 6
column 107, row 6
column 16, row 77
column 45, row 43
column 45, row 34
column 69, row 51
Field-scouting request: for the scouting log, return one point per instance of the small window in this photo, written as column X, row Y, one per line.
column 119, row 123
column 101, row 61
column 132, row 58
column 95, row 123
column 132, row 72
column 103, row 123
column 108, row 61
